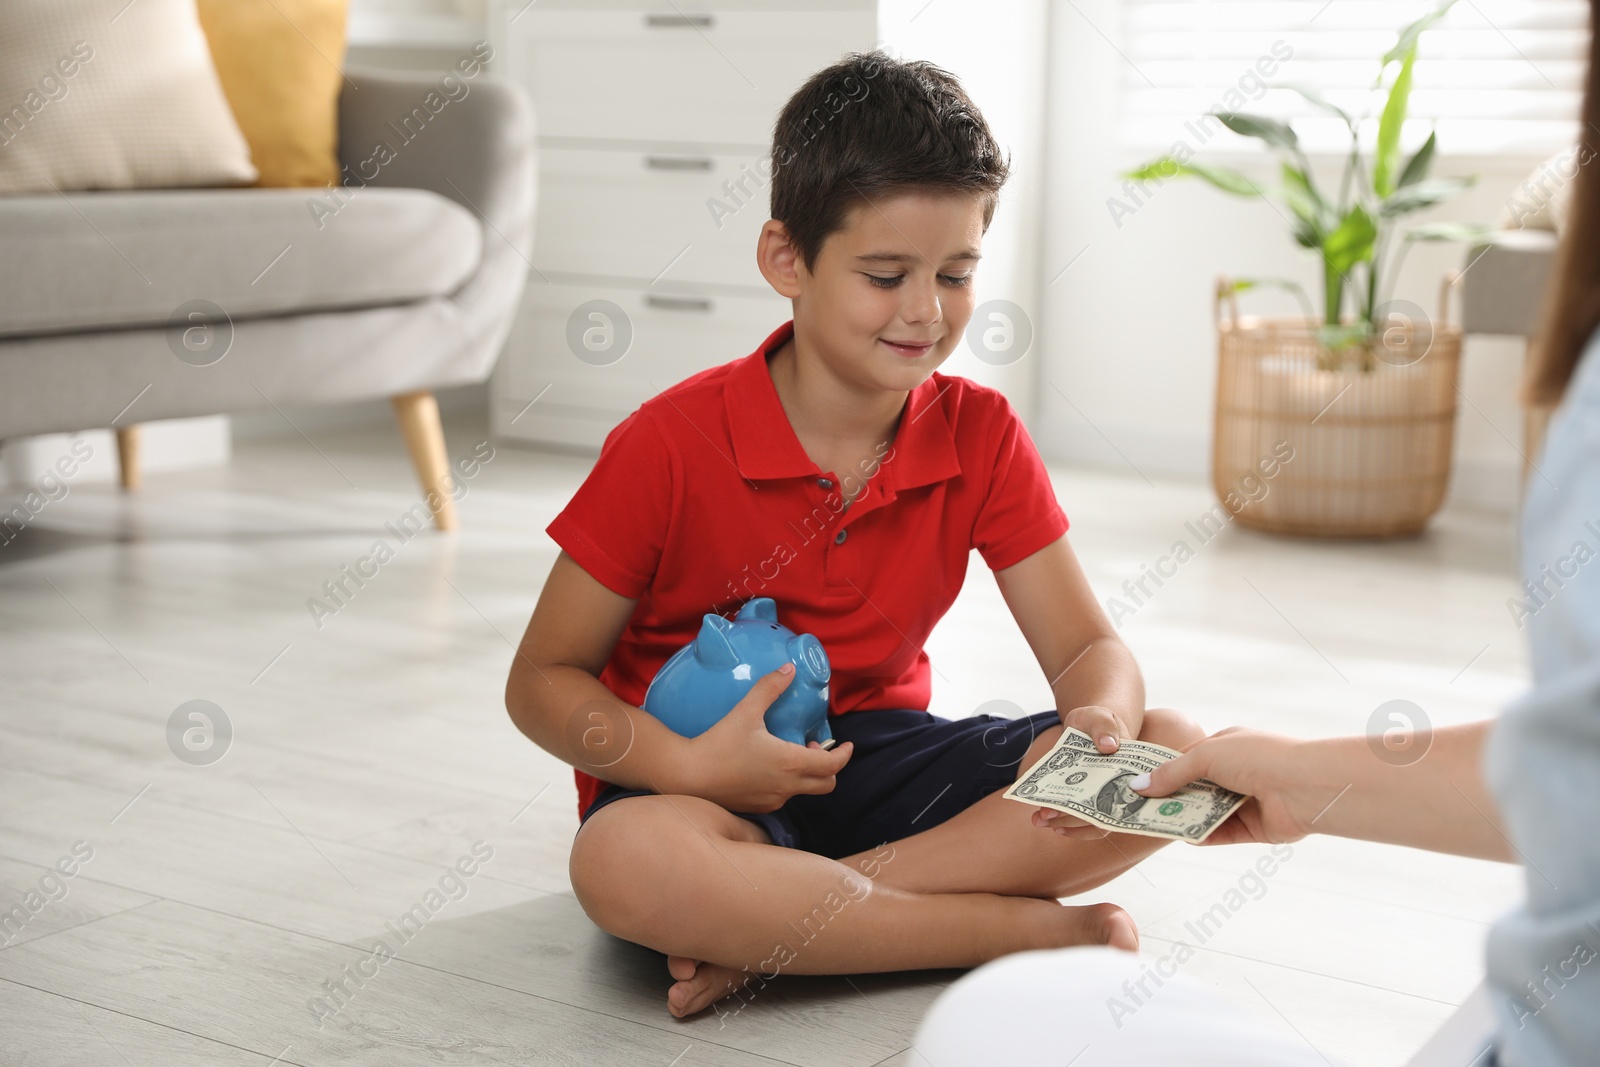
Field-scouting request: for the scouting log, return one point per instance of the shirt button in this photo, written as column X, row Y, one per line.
column 824, row 483
column 839, row 538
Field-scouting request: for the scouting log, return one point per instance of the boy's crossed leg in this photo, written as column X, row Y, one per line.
column 684, row 876
column 994, row 847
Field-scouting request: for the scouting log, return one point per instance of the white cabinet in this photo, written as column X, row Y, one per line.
column 651, row 73
column 559, row 398
column 650, row 215
column 649, row 114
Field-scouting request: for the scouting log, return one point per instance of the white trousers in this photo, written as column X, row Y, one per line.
column 1055, row 1007
column 1086, row 1007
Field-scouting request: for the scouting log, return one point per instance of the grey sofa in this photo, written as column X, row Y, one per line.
column 122, row 307
column 1502, row 292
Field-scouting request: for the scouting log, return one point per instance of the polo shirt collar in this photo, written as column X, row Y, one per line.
column 765, row 444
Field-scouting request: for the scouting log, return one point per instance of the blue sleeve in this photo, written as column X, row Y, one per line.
column 1543, row 758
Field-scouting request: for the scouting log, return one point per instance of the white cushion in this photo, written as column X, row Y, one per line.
column 108, row 94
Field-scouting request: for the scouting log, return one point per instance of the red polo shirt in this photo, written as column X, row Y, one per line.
column 704, row 497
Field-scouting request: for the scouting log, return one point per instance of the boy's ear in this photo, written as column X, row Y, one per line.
column 778, row 259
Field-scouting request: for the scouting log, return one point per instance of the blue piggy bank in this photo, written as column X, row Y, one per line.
column 705, row 678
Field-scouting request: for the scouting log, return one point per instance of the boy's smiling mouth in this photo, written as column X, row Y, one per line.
column 909, row 350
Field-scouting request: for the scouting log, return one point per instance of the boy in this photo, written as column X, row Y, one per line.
column 835, row 471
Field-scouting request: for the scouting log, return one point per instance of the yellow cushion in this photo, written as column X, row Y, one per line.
column 280, row 63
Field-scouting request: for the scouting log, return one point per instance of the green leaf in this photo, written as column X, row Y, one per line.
column 1417, row 165
column 1158, row 170
column 1352, row 241
column 1314, row 97
column 1471, row 232
column 1338, row 335
column 1312, row 215
column 1275, row 133
column 1409, row 35
column 1229, row 181
column 1303, row 198
column 1241, row 285
column 1409, row 198
column 1394, row 117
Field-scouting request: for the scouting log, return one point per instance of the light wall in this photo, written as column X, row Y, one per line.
column 1127, row 358
column 1122, row 367
column 91, row 455
column 1007, row 85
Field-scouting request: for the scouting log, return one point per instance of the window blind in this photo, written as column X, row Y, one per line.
column 1491, row 77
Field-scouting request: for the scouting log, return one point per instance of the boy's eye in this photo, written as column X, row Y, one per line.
column 952, row 280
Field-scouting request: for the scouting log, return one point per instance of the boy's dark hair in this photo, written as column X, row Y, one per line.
column 870, row 126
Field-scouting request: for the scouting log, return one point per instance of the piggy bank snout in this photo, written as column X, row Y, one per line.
column 811, row 663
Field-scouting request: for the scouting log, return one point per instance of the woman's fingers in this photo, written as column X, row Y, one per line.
column 1174, row 774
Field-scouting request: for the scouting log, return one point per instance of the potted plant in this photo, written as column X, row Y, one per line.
column 1365, row 392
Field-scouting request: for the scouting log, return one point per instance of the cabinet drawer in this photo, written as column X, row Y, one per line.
column 654, row 216
column 678, row 73
column 674, row 335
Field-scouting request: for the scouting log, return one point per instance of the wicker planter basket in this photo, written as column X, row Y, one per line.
column 1371, row 427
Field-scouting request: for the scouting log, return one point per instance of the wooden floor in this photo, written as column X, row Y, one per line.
column 230, row 911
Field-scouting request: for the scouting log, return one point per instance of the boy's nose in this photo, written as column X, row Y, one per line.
column 922, row 304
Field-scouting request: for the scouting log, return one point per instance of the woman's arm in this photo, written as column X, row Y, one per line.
column 1340, row 786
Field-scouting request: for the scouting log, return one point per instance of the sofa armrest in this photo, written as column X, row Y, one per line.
column 468, row 139
column 1502, row 293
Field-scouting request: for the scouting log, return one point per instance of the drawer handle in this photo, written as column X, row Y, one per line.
column 678, row 162
column 677, row 21
column 678, row 303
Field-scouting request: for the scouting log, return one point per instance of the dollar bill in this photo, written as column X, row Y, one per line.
column 1077, row 778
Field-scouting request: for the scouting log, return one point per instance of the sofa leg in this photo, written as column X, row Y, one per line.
column 128, row 455
column 418, row 414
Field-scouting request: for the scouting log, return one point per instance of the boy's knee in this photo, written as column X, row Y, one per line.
column 637, row 860
column 1042, row 743
column 1171, row 729
column 612, row 858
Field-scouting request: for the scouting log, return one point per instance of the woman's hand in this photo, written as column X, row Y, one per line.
column 1341, row 786
column 741, row 765
column 1260, row 765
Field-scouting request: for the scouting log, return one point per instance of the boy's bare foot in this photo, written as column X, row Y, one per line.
column 1090, row 924
column 698, row 984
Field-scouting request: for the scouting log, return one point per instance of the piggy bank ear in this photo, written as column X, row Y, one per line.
column 711, row 646
column 761, row 607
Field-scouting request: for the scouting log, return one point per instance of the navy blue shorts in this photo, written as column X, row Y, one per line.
column 910, row 770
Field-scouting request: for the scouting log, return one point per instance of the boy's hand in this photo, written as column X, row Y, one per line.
column 739, row 764
column 1104, row 725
